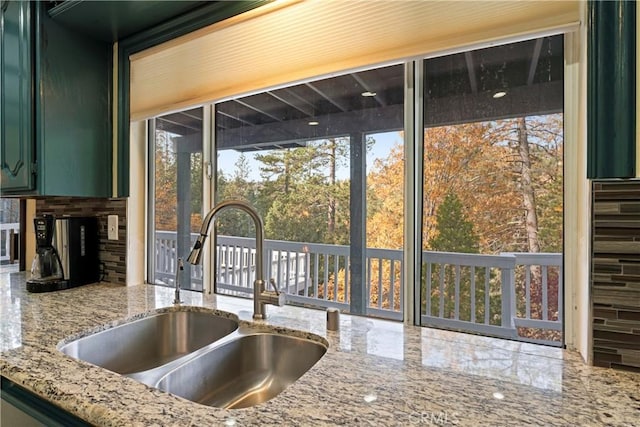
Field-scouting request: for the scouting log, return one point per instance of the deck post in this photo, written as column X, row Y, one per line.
column 357, row 229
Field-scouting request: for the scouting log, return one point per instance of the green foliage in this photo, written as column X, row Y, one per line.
column 454, row 233
column 235, row 222
column 196, row 183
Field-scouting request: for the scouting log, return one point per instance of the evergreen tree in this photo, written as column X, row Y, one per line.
column 454, row 233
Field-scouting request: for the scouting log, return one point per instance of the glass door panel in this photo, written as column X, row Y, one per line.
column 176, row 194
column 492, row 221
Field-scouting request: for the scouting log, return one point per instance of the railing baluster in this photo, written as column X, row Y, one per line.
column 297, row 273
column 401, row 305
column 250, row 260
column 487, row 302
column 428, row 280
column 342, row 266
column 277, row 265
column 392, row 284
column 307, row 274
column 236, row 265
column 326, row 277
column 227, row 267
column 336, row 285
column 472, row 278
column 441, row 312
column 379, row 282
column 368, row 281
column 457, row 292
column 545, row 298
column 244, row 269
column 347, row 271
column 316, row 279
column 527, row 284
column 223, row 264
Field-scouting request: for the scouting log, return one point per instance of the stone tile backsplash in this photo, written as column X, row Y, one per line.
column 112, row 252
column 615, row 274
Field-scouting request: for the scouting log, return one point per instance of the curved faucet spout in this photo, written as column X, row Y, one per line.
column 259, row 294
column 196, row 253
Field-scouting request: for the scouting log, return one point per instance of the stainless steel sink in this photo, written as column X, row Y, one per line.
column 243, row 371
column 151, row 341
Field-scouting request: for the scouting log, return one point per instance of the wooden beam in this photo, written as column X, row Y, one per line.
column 539, row 99
column 368, row 88
column 286, row 98
column 238, row 119
column 535, row 57
column 333, row 125
column 257, row 110
column 325, row 96
column 468, row 58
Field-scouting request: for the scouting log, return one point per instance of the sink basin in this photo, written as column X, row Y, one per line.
column 243, row 372
column 151, row 341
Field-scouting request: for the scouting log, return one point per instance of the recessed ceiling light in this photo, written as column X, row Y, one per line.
column 313, row 123
column 367, row 93
column 498, row 395
column 499, row 94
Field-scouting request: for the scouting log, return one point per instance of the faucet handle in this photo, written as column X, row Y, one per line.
column 272, row 281
column 270, row 297
column 274, row 297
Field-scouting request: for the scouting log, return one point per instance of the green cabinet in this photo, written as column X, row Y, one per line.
column 55, row 107
column 611, row 89
column 16, row 115
column 20, row 407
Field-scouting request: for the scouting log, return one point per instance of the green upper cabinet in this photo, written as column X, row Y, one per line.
column 611, row 92
column 56, row 107
column 16, row 118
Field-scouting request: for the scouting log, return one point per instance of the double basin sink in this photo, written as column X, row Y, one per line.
column 202, row 356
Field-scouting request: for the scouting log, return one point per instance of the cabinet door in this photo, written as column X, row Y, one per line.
column 16, row 97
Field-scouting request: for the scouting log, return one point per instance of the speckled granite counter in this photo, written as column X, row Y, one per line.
column 374, row 373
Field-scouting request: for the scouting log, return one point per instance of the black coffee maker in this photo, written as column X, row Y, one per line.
column 46, row 269
column 67, row 253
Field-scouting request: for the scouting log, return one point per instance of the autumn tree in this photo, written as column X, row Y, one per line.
column 385, row 201
column 165, row 183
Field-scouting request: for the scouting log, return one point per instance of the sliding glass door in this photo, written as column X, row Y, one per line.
column 322, row 162
column 175, row 154
column 492, row 204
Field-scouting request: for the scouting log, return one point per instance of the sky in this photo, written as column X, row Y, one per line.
column 384, row 142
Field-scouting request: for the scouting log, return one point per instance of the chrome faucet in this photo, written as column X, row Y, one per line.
column 261, row 297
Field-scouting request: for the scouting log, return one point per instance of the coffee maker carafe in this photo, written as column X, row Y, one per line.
column 46, row 269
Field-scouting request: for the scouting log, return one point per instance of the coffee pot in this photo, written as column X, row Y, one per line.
column 46, row 268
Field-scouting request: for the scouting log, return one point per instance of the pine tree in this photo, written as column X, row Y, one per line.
column 454, row 233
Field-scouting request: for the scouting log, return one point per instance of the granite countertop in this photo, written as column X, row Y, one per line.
column 374, row 373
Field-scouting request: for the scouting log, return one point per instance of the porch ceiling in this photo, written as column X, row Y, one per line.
column 459, row 88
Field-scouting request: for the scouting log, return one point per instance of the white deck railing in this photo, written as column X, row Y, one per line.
column 489, row 294
column 5, row 241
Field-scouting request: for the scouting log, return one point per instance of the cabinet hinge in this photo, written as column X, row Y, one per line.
column 34, row 168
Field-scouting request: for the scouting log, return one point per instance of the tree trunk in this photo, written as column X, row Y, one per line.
column 528, row 193
column 331, row 220
column 286, row 173
column 531, row 217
